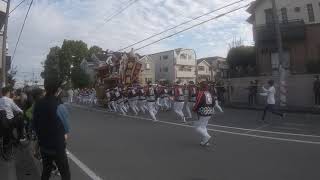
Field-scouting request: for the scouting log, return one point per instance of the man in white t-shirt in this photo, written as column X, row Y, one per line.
column 271, row 101
column 13, row 112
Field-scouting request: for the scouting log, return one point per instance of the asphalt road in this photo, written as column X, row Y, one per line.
column 113, row 147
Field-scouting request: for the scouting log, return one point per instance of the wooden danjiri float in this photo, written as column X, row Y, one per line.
column 120, row 69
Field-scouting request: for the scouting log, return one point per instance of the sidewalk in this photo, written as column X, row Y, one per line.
column 7, row 170
column 22, row 167
column 289, row 109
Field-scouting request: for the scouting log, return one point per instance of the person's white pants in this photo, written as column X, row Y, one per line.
column 178, row 107
column 189, row 107
column 70, row 99
column 152, row 110
column 133, row 106
column 165, row 103
column 142, row 105
column 201, row 127
column 122, row 109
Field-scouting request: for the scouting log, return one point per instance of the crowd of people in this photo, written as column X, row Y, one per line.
column 87, row 96
column 153, row 98
column 42, row 112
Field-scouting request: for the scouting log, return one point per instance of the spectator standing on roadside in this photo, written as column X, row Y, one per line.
column 316, row 90
column 51, row 131
column 253, row 90
column 220, row 92
column 13, row 112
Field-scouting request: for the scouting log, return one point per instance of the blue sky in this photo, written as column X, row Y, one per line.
column 52, row 21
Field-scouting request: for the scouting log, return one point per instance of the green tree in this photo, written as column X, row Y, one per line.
column 51, row 64
column 94, row 50
column 59, row 60
column 242, row 61
column 79, row 78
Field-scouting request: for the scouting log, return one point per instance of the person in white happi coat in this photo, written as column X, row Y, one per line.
column 110, row 100
column 192, row 93
column 204, row 108
column 151, row 101
column 70, row 95
column 133, row 98
column 120, row 102
column 142, row 101
column 178, row 96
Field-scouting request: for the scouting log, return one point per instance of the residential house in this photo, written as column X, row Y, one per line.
column 204, row 71
column 300, row 29
column 218, row 67
column 91, row 64
column 147, row 71
column 174, row 65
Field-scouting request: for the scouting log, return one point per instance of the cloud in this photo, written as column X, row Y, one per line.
column 52, row 21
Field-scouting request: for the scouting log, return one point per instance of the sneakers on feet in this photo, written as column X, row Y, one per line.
column 205, row 141
column 184, row 120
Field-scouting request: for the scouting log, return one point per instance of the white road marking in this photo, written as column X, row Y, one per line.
column 258, row 128
column 82, row 166
column 270, row 132
column 294, row 124
column 229, row 132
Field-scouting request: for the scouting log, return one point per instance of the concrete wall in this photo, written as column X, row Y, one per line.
column 290, row 5
column 300, row 89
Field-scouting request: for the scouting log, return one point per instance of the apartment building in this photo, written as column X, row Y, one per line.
column 300, row 29
column 174, row 65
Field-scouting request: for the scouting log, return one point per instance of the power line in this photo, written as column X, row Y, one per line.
column 24, row 22
column 186, row 22
column 17, row 6
column 216, row 17
column 120, row 11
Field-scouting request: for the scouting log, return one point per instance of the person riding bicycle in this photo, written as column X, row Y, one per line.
column 13, row 112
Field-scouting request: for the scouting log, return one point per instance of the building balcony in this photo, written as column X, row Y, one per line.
column 185, row 74
column 290, row 30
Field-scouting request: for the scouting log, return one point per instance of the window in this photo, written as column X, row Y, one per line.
column 147, row 66
column 284, row 14
column 165, row 57
column 166, row 69
column 269, row 16
column 297, row 9
column 310, row 12
column 201, row 68
column 183, row 56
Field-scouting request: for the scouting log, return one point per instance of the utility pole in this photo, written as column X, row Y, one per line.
column 282, row 64
column 4, row 45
